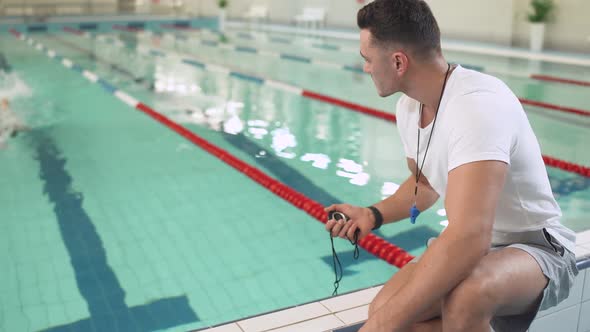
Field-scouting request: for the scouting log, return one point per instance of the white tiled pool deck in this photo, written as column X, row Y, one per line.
column 572, row 315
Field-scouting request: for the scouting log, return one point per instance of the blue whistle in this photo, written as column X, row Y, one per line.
column 414, row 213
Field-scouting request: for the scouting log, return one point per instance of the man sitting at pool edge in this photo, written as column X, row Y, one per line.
column 504, row 255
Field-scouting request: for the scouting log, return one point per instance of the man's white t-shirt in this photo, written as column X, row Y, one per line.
column 481, row 119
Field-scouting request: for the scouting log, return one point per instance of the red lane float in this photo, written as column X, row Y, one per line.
column 352, row 106
column 554, row 107
column 559, row 80
column 125, row 28
column 74, row 31
column 567, row 166
column 15, row 33
column 176, row 27
column 371, row 243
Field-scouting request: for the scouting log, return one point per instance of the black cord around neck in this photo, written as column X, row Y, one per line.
column 419, row 169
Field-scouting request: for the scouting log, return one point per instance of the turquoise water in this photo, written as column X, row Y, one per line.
column 114, row 222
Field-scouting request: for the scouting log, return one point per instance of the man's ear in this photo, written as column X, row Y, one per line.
column 399, row 61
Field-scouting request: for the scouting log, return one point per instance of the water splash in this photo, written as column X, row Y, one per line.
column 12, row 86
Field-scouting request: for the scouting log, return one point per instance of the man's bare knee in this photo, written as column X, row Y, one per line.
column 470, row 304
column 433, row 325
column 464, row 312
column 391, row 287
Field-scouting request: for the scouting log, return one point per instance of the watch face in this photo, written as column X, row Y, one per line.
column 337, row 216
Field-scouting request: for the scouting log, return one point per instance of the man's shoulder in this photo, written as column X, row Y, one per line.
column 404, row 103
column 470, row 82
column 402, row 108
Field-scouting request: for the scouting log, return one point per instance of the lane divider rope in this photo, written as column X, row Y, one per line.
column 550, row 78
column 99, row 59
column 554, row 107
column 372, row 243
column 126, row 28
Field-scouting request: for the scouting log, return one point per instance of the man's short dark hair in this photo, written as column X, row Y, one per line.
column 409, row 23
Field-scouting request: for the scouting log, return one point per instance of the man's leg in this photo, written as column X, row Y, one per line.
column 393, row 285
column 506, row 282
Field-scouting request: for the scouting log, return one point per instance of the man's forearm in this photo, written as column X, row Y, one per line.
column 397, row 206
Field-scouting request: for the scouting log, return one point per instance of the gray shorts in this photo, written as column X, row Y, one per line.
column 557, row 263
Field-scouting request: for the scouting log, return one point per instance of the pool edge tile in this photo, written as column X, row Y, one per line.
column 351, row 300
column 354, row 315
column 233, row 327
column 318, row 324
column 284, row 318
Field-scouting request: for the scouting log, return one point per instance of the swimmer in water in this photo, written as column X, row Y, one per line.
column 4, row 66
column 10, row 123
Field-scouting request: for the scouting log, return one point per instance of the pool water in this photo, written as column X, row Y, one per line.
column 111, row 221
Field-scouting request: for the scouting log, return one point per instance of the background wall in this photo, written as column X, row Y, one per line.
column 483, row 20
column 569, row 28
column 496, row 21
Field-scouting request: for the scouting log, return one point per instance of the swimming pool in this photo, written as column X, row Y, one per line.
column 114, row 222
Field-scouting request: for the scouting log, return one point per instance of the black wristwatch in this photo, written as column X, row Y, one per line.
column 378, row 217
